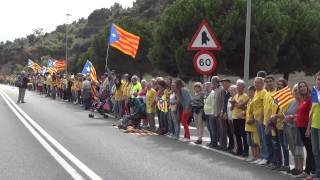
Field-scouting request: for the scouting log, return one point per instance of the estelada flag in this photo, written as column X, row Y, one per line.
column 90, row 71
column 124, row 41
column 283, row 97
column 34, row 66
column 51, row 69
column 59, row 64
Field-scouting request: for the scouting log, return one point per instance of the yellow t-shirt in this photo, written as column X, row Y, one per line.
column 268, row 107
column 118, row 94
column 237, row 113
column 150, row 98
column 257, row 105
column 249, row 116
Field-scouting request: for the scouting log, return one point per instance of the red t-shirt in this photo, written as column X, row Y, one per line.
column 303, row 112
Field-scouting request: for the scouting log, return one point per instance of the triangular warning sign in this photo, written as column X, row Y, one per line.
column 204, row 39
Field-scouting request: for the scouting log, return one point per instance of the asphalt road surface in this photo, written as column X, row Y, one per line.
column 52, row 139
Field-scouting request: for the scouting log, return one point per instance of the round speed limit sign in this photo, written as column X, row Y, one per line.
column 204, row 63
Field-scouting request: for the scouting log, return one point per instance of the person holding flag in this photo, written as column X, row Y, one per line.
column 89, row 85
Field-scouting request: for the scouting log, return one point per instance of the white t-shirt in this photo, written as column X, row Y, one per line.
column 173, row 107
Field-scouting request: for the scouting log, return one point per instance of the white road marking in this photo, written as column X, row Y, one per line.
column 56, row 144
column 51, row 151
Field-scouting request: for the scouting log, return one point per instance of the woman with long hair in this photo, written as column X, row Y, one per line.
column 184, row 106
column 302, row 121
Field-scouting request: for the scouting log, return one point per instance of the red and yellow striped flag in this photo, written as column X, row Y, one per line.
column 124, row 41
column 283, row 96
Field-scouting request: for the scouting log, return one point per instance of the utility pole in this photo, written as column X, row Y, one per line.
column 247, row 43
column 67, row 43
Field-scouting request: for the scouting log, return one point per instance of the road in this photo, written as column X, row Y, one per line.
column 51, row 139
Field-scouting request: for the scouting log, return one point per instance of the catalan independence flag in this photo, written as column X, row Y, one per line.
column 59, row 64
column 90, row 71
column 34, row 66
column 283, row 96
column 124, row 41
column 51, row 69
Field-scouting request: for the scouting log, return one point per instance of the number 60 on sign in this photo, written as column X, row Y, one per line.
column 204, row 63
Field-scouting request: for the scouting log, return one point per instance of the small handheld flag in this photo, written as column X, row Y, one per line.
column 124, row 41
column 283, row 97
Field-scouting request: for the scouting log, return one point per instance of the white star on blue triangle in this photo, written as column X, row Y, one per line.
column 114, row 36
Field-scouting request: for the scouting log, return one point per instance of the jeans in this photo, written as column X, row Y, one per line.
column 262, row 137
column 284, row 147
column 213, row 121
column 118, row 110
column 315, row 139
column 22, row 93
column 170, row 123
column 176, row 124
column 276, row 151
column 207, row 117
column 163, row 122
column 310, row 164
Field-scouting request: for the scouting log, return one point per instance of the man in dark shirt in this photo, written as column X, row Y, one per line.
column 225, row 125
column 23, row 81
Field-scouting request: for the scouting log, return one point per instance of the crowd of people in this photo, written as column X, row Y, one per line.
column 240, row 118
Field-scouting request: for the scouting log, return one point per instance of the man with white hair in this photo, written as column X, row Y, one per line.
column 239, row 105
column 217, row 105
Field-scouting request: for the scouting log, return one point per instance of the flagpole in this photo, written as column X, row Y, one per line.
column 107, row 56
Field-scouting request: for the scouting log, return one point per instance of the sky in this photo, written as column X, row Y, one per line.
column 19, row 18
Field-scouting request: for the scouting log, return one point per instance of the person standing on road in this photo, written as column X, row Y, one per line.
column 208, row 108
column 226, row 127
column 292, row 135
column 197, row 104
column 251, row 128
column 314, row 125
column 184, row 106
column 239, row 104
column 174, row 111
column 257, row 113
column 151, row 106
column 22, row 83
column 86, row 93
column 218, row 100
column 302, row 121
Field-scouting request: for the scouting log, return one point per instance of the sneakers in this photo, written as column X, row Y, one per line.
column 198, row 141
column 250, row 159
column 302, row 175
column 263, row 162
column 256, row 161
column 284, row 168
